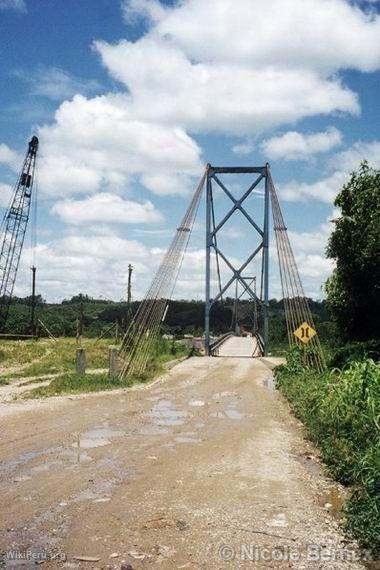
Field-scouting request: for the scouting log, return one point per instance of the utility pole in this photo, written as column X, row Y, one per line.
column 129, row 294
column 128, row 316
column 33, row 327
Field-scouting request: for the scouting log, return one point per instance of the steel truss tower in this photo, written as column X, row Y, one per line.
column 261, row 174
column 13, row 230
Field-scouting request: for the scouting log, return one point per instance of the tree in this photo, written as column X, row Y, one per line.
column 353, row 290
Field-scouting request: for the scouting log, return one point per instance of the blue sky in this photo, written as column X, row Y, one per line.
column 130, row 99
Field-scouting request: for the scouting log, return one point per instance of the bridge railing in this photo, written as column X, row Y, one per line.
column 260, row 342
column 214, row 347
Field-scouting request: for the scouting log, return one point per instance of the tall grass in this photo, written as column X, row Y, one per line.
column 341, row 409
column 71, row 383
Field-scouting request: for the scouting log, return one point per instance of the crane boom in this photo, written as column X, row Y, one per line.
column 13, row 230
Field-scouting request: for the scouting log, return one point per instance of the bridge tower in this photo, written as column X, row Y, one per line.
column 144, row 329
column 260, row 177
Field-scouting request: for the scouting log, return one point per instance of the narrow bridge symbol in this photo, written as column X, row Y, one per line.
column 305, row 332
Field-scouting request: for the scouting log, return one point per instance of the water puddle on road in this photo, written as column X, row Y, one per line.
column 197, row 403
column 230, row 413
column 333, row 501
column 187, row 439
column 269, row 383
column 164, row 414
column 97, row 437
column 234, row 414
column 153, row 430
column 225, row 394
column 311, row 465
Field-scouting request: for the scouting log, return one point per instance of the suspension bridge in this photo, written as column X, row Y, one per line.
column 146, row 324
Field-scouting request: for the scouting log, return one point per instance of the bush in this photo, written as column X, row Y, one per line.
column 355, row 351
column 342, row 412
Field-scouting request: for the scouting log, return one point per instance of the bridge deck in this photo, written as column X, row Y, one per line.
column 239, row 346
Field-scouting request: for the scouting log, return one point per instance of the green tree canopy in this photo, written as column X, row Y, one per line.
column 353, row 290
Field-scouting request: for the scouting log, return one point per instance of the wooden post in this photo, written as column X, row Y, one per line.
column 81, row 361
column 113, row 362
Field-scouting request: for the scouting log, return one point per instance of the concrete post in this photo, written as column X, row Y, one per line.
column 81, row 361
column 113, row 369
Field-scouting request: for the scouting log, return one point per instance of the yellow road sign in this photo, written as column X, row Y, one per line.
column 305, row 332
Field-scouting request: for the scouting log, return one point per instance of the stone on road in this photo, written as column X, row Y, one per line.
column 206, row 468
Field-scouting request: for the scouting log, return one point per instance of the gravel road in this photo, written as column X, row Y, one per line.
column 204, row 469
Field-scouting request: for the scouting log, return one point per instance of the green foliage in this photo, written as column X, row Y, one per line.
column 342, row 412
column 353, row 290
column 75, row 383
column 355, row 351
column 23, row 359
column 19, row 353
column 184, row 317
column 71, row 382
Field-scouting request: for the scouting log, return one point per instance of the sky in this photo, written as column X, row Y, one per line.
column 131, row 99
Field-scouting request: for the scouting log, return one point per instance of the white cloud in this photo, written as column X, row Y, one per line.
column 10, row 157
column 181, row 77
column 6, row 192
column 166, row 184
column 18, row 5
column 97, row 144
column 182, row 71
column 95, row 264
column 324, row 190
column 133, row 10
column 299, row 146
column 324, row 35
column 309, row 250
column 55, row 83
column 223, row 97
column 105, row 208
column 327, row 188
column 351, row 158
column 244, row 148
column 315, row 266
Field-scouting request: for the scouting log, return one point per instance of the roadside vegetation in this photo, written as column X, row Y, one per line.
column 341, row 409
column 24, row 359
column 56, row 363
column 341, row 406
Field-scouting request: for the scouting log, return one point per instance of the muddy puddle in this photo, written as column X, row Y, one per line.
column 230, row 412
column 333, row 501
column 225, row 394
column 31, row 464
column 197, row 403
column 311, row 465
column 270, row 383
column 187, row 439
column 165, row 414
column 97, row 437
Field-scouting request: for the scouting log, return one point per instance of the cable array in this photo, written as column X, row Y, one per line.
column 296, row 306
column 144, row 329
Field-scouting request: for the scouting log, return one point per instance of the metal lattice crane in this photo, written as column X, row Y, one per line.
column 13, row 230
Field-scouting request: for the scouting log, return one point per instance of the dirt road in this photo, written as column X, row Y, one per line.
column 204, row 469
